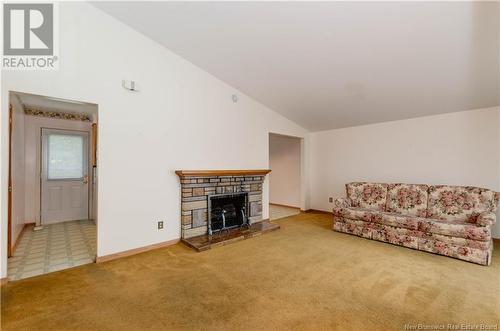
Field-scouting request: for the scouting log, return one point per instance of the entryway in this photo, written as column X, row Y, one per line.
column 65, row 180
column 278, row 211
column 285, row 157
column 54, row 247
column 52, row 184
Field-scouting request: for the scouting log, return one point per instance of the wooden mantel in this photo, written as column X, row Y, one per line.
column 211, row 173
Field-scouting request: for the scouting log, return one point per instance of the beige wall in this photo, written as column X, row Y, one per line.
column 460, row 148
column 284, row 162
column 18, row 189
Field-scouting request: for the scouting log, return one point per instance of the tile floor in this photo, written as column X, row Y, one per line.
column 277, row 212
column 55, row 247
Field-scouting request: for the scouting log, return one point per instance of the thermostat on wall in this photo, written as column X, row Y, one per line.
column 130, row 85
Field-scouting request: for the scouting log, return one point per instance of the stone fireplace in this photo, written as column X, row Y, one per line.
column 215, row 200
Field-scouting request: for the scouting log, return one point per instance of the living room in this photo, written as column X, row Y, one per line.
column 403, row 96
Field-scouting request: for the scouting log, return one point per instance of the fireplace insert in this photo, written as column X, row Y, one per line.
column 227, row 211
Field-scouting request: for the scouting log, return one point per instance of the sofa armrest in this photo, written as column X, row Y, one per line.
column 339, row 203
column 496, row 201
column 486, row 219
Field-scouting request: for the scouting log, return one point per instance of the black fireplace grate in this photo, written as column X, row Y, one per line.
column 227, row 211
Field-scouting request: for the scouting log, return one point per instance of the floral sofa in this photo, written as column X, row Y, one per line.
column 448, row 220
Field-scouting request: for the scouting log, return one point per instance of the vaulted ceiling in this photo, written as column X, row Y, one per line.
column 329, row 65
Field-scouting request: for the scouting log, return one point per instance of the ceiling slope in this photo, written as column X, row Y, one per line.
column 329, row 65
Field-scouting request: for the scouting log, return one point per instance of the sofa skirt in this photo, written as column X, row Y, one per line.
column 464, row 249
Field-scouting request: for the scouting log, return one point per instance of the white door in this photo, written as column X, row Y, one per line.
column 64, row 176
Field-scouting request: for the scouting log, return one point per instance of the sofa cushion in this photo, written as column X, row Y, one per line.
column 367, row 195
column 367, row 215
column 352, row 213
column 397, row 236
column 382, row 231
column 449, row 228
column 484, row 245
column 350, row 226
column 407, row 199
column 397, row 220
column 459, row 203
column 362, row 228
column 455, row 229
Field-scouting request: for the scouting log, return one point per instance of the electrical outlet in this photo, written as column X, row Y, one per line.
column 160, row 225
column 330, row 199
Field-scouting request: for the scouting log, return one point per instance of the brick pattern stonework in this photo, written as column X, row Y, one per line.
column 194, row 203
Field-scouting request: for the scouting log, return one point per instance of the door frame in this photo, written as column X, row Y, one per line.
column 302, row 174
column 9, row 188
column 93, row 167
column 89, row 162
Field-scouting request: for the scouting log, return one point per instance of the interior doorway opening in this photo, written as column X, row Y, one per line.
column 285, row 179
column 52, row 223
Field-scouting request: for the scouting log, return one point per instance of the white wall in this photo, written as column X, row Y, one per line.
column 33, row 127
column 183, row 118
column 18, row 189
column 459, row 149
column 284, row 161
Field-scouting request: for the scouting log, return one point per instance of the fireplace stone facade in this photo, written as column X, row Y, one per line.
column 197, row 186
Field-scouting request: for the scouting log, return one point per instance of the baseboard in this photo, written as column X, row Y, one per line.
column 110, row 257
column 282, row 205
column 317, row 211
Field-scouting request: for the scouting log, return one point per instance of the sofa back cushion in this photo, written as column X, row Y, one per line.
column 407, row 199
column 367, row 195
column 459, row 203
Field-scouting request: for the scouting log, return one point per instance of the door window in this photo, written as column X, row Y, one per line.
column 65, row 156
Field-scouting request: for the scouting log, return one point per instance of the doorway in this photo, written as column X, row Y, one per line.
column 53, row 212
column 285, row 158
column 64, row 180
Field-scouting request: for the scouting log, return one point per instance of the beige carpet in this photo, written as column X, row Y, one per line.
column 301, row 277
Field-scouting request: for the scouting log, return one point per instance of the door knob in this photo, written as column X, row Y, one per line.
column 85, row 179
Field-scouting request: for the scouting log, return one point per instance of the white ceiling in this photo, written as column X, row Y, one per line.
column 329, row 65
